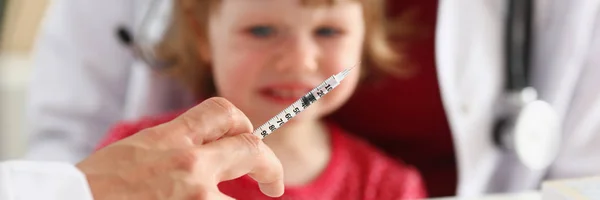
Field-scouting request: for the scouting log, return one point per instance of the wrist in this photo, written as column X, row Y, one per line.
column 105, row 186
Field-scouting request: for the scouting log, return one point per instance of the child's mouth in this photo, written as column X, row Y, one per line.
column 284, row 94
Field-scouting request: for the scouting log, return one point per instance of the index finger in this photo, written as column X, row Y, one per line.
column 212, row 119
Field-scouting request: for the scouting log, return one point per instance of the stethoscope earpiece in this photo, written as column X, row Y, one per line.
column 141, row 39
column 124, row 36
column 146, row 54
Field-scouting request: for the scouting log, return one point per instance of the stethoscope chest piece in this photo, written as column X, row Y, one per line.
column 531, row 129
column 537, row 135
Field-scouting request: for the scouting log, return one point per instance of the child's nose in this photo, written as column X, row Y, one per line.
column 298, row 54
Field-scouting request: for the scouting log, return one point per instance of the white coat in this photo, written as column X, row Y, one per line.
column 85, row 80
column 27, row 180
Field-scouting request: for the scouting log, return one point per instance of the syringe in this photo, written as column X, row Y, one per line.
column 301, row 104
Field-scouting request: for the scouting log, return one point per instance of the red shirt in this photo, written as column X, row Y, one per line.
column 405, row 117
column 355, row 171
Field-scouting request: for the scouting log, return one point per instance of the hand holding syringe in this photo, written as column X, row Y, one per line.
column 301, row 104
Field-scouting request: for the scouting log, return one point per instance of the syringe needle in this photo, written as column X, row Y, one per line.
column 345, row 73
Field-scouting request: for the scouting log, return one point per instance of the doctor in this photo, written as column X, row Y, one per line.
column 175, row 160
column 85, row 80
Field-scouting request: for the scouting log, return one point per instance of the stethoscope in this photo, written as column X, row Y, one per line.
column 153, row 26
column 524, row 125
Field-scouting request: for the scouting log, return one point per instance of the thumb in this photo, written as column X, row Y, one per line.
column 246, row 154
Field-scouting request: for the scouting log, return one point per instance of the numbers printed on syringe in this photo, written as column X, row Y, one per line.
column 295, row 109
column 300, row 105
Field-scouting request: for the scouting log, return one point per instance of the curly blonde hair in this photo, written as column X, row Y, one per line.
column 178, row 49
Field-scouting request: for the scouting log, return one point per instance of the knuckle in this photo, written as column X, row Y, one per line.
column 226, row 106
column 185, row 160
column 228, row 111
column 199, row 194
column 252, row 142
column 218, row 107
column 188, row 122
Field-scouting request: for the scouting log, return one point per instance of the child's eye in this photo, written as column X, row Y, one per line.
column 262, row 31
column 327, row 32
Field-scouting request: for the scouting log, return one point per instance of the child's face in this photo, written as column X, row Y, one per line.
column 267, row 54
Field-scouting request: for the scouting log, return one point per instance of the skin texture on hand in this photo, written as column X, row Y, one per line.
column 182, row 159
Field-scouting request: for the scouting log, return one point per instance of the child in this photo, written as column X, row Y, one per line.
column 262, row 56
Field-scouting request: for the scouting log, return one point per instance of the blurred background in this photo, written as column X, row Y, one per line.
column 19, row 22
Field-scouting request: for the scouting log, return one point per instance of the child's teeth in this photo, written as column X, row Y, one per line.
column 282, row 93
column 276, row 93
column 288, row 93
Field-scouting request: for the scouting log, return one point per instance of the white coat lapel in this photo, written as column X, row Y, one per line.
column 469, row 47
column 567, row 74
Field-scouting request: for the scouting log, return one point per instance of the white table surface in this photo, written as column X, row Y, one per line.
column 517, row 196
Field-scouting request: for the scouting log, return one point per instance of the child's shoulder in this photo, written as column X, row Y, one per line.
column 124, row 129
column 383, row 176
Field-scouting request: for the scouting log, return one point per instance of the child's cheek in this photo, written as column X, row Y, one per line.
column 340, row 95
column 238, row 76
